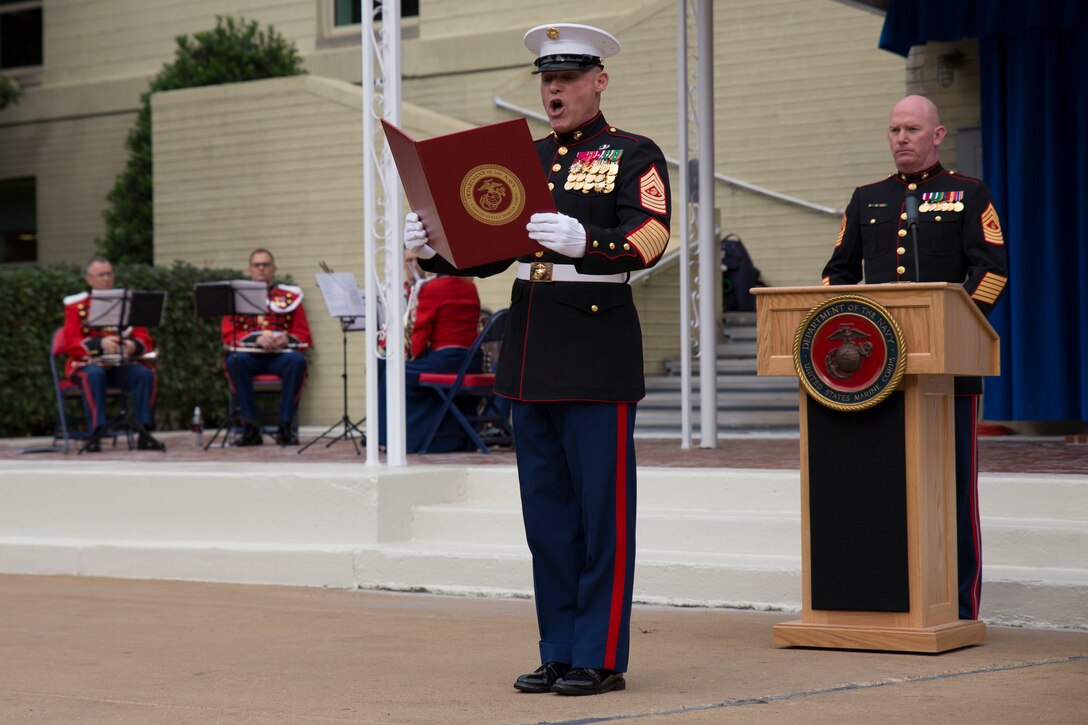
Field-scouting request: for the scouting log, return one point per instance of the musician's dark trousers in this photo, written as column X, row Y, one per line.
column 968, row 528
column 138, row 382
column 289, row 365
column 576, row 466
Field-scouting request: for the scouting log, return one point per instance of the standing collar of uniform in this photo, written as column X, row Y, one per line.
column 586, row 131
column 922, row 176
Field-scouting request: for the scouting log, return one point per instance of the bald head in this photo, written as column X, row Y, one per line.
column 915, row 134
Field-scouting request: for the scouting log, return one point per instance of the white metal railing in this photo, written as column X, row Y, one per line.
column 718, row 176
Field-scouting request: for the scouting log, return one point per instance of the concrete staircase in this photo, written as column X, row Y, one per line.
column 732, row 538
column 706, row 537
column 745, row 400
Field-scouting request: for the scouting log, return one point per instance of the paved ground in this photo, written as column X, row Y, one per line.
column 121, row 652
column 1007, row 454
column 125, row 652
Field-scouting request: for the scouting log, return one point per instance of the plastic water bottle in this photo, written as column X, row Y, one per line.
column 198, row 428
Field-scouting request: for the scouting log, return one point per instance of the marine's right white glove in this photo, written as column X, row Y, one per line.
column 415, row 237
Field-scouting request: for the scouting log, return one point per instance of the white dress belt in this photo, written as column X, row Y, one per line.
column 550, row 272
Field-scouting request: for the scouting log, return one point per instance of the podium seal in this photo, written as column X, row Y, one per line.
column 492, row 194
column 849, row 353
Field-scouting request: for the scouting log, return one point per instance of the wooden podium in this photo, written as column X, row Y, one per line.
column 878, row 504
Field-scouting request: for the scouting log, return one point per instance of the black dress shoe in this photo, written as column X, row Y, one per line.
column 92, row 447
column 543, row 679
column 148, row 442
column 589, row 681
column 285, row 435
column 251, row 436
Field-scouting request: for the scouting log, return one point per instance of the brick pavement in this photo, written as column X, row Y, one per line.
column 1000, row 454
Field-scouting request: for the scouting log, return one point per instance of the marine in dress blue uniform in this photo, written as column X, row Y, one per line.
column 571, row 362
column 959, row 240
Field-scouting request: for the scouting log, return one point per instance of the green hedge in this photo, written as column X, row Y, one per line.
column 190, row 362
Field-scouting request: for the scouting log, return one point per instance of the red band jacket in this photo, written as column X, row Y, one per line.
column 285, row 314
column 82, row 344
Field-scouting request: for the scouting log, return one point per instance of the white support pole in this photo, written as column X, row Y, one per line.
column 709, row 254
column 683, row 226
column 381, row 99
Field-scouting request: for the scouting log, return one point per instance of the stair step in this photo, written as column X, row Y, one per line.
column 743, row 419
column 726, row 401
column 732, row 381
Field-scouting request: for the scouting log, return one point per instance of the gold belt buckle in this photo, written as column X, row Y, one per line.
column 540, row 271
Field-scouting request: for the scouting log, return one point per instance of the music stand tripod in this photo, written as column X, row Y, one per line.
column 123, row 309
column 230, row 298
column 352, row 431
column 342, row 299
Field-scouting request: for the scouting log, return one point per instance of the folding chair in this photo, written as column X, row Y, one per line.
column 266, row 387
column 463, row 384
column 65, row 391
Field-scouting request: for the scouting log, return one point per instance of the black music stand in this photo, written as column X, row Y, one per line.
column 229, row 298
column 342, row 299
column 123, row 309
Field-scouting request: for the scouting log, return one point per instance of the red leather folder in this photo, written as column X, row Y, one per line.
column 474, row 190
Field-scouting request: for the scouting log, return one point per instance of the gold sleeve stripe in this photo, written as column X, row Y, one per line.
column 991, row 226
column 990, row 288
column 826, row 281
column 652, row 192
column 842, row 231
column 650, row 239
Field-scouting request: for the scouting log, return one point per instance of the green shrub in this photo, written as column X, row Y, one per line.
column 190, row 361
column 234, row 51
column 10, row 91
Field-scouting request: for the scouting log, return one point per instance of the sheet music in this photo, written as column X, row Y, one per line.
column 106, row 307
column 342, row 298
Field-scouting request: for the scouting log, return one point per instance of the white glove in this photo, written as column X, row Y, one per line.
column 415, row 237
column 559, row 233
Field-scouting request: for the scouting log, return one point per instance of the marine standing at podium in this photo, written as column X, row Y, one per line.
column 571, row 362
column 278, row 337
column 84, row 345
column 959, row 240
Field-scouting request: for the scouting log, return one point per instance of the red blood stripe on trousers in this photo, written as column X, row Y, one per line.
column 619, row 562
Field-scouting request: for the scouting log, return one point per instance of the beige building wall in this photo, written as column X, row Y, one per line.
column 86, row 41
column 271, row 164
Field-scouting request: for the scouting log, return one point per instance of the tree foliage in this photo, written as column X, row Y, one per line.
column 235, row 51
column 10, row 91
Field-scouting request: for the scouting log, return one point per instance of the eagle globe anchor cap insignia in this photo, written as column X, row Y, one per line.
column 849, row 353
column 569, row 46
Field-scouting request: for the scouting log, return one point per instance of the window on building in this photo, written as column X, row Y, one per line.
column 18, row 221
column 349, row 12
column 20, row 33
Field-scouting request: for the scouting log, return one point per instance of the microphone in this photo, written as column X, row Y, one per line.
column 910, row 202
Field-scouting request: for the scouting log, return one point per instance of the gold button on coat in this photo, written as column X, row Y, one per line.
column 912, row 187
column 596, row 244
column 550, row 186
column 593, row 308
column 539, row 254
column 611, row 245
column 901, row 250
column 556, row 167
column 937, row 218
column 872, row 221
column 562, row 151
column 902, row 216
column 902, row 232
column 900, row 269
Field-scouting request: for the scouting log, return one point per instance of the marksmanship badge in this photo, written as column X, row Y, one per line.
column 492, row 194
column 849, row 353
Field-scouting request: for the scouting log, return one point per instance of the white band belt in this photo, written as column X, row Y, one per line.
column 549, row 272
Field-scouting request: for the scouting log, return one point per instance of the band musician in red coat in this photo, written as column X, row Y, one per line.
column 268, row 344
column 93, row 354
